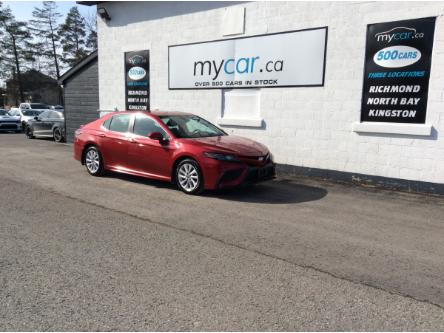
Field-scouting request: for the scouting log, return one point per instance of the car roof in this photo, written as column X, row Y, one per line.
column 171, row 113
column 158, row 113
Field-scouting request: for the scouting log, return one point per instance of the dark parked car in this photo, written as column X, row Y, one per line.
column 48, row 124
column 171, row 146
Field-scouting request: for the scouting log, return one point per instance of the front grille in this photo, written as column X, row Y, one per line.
column 230, row 175
column 260, row 173
column 256, row 160
column 8, row 125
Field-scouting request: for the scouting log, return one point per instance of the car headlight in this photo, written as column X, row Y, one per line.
column 222, row 157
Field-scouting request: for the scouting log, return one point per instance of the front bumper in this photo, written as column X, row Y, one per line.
column 246, row 174
column 78, row 149
column 10, row 126
column 258, row 174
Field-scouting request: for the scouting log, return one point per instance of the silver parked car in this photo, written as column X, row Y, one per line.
column 25, row 115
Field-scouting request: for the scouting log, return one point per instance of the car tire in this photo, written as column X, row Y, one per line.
column 29, row 133
column 57, row 135
column 93, row 161
column 189, row 177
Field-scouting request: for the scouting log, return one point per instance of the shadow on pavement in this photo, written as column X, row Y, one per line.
column 272, row 192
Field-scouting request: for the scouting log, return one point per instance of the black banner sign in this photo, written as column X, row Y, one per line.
column 397, row 70
column 137, row 80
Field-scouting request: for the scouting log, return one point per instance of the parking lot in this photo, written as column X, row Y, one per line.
column 125, row 253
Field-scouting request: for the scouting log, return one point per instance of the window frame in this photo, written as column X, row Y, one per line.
column 120, row 115
column 165, row 133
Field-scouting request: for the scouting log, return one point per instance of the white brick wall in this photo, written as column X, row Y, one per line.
column 309, row 127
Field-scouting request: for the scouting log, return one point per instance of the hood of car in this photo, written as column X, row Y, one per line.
column 233, row 144
column 8, row 118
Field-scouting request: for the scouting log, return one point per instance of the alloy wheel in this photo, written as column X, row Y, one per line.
column 29, row 133
column 188, row 177
column 57, row 135
column 92, row 161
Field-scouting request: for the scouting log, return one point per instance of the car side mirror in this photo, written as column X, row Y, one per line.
column 36, row 118
column 158, row 136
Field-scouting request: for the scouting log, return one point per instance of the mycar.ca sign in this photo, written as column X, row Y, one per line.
column 397, row 70
column 287, row 59
column 137, row 80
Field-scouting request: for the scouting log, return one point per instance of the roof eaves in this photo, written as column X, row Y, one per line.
column 78, row 66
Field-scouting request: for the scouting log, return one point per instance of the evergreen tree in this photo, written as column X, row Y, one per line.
column 16, row 46
column 44, row 26
column 91, row 42
column 91, row 25
column 73, row 33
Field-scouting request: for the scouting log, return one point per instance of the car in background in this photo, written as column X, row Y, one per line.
column 172, row 146
column 8, row 123
column 57, row 107
column 33, row 106
column 48, row 124
column 25, row 115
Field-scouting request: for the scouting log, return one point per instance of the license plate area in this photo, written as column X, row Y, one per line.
column 262, row 172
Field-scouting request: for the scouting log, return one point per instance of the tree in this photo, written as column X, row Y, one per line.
column 73, row 33
column 44, row 26
column 15, row 45
column 91, row 26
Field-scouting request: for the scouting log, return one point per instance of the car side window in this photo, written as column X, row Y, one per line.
column 55, row 115
column 107, row 123
column 120, row 123
column 44, row 115
column 144, row 126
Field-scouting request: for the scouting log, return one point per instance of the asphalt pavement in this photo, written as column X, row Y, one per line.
column 125, row 253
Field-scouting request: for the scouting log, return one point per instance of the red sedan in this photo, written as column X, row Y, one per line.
column 172, row 146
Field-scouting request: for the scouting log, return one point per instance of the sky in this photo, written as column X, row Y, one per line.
column 22, row 10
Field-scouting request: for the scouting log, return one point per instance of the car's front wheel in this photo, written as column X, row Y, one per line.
column 29, row 133
column 93, row 161
column 57, row 134
column 189, row 177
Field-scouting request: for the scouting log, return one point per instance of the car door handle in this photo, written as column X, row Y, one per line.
column 102, row 135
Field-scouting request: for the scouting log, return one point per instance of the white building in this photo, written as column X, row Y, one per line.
column 315, row 129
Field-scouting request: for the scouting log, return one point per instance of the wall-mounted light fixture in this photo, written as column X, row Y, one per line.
column 103, row 14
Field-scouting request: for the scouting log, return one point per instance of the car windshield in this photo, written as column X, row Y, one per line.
column 39, row 106
column 190, row 126
column 31, row 113
column 2, row 112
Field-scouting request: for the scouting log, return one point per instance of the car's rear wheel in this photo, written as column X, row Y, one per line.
column 189, row 177
column 29, row 133
column 57, row 134
column 93, row 161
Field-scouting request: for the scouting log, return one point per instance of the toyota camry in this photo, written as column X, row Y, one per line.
column 172, row 146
